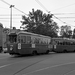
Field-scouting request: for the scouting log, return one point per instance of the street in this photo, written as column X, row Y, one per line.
column 51, row 64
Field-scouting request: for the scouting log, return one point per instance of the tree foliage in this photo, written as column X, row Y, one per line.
column 73, row 34
column 40, row 23
column 66, row 31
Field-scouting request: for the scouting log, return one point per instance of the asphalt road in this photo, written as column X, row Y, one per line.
column 51, row 64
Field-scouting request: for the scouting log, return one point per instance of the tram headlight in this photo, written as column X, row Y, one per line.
column 11, row 47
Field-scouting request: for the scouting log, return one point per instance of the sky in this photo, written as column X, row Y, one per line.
column 64, row 10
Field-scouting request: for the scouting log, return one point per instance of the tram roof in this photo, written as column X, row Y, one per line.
column 29, row 33
column 64, row 39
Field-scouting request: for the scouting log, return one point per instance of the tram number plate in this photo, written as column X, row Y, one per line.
column 19, row 45
column 54, row 46
column 33, row 45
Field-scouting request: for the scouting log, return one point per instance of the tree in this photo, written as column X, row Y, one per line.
column 40, row 23
column 73, row 34
column 66, row 31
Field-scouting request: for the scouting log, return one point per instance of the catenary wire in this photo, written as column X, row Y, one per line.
column 47, row 10
column 64, row 7
column 40, row 5
column 13, row 7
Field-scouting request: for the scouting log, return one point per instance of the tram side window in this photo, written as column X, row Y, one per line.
column 28, row 39
column 12, row 38
column 57, row 43
column 68, row 43
column 19, row 39
column 60, row 43
column 37, row 40
column 23, row 39
column 73, row 43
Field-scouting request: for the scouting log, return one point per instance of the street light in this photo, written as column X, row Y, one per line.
column 11, row 16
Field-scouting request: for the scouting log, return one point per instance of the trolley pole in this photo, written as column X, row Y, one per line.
column 11, row 16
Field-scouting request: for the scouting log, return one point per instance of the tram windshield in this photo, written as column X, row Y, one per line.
column 12, row 38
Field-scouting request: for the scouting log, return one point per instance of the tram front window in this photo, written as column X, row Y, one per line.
column 12, row 38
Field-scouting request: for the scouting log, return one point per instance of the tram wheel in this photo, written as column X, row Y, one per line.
column 74, row 51
column 47, row 52
column 34, row 53
column 65, row 51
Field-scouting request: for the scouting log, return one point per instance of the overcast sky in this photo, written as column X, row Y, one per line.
column 63, row 9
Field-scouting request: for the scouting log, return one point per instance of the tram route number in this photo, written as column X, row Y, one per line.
column 54, row 46
column 19, row 45
column 33, row 45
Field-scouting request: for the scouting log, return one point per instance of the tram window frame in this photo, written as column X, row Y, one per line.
column 63, row 43
column 19, row 39
column 36, row 40
column 12, row 39
column 28, row 39
column 22, row 39
column 73, row 43
column 60, row 43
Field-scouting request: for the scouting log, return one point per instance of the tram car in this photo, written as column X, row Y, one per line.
column 28, row 43
column 63, row 45
column 1, row 38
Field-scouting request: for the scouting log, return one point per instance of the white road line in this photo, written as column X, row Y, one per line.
column 49, row 67
column 4, row 65
column 69, row 72
column 4, row 58
column 10, row 64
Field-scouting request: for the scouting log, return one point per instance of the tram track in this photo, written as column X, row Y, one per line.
column 32, row 64
column 20, row 63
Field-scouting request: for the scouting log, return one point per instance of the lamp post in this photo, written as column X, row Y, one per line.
column 11, row 16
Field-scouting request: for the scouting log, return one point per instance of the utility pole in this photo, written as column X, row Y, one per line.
column 11, row 16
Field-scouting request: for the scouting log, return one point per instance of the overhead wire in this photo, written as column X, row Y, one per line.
column 9, row 18
column 21, row 11
column 59, row 19
column 14, row 7
column 63, row 7
column 64, row 13
column 47, row 10
column 41, row 5
column 4, row 8
column 9, row 21
column 5, row 2
column 9, row 15
column 43, row 8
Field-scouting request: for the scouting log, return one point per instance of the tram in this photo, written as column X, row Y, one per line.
column 28, row 43
column 1, row 37
column 63, row 45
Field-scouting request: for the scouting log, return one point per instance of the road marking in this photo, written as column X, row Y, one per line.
column 49, row 67
column 10, row 64
column 69, row 72
column 4, row 65
column 4, row 58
